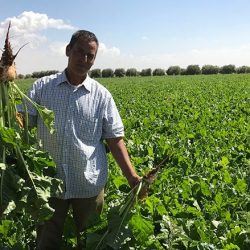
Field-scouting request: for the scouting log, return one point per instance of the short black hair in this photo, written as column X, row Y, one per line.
column 89, row 36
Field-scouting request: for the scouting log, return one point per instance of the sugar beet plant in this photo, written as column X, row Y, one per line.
column 201, row 198
column 26, row 174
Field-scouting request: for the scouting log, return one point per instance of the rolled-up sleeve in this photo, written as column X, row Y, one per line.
column 112, row 122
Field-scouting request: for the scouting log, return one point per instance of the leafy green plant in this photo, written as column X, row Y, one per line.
column 25, row 184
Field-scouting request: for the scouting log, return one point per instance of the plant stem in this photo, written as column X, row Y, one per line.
column 3, row 149
column 123, row 211
column 26, row 123
column 1, row 180
column 20, row 155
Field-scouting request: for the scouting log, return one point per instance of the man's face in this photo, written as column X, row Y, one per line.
column 81, row 56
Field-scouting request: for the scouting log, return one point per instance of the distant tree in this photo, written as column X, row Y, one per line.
column 107, row 72
column 131, row 72
column 159, row 72
column 50, row 72
column 209, row 69
column 228, row 69
column 146, row 72
column 243, row 69
column 183, row 71
column 120, row 72
column 193, row 69
column 28, row 76
column 20, row 76
column 38, row 74
column 96, row 73
column 173, row 70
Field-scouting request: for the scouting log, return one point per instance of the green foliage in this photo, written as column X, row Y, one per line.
column 107, row 73
column 24, row 84
column 27, row 175
column 146, row 72
column 120, row 72
column 131, row 72
column 96, row 73
column 174, row 70
column 228, row 69
column 243, row 69
column 183, row 71
column 193, row 70
column 200, row 198
column 27, row 76
column 42, row 73
column 158, row 72
column 20, row 76
column 209, row 69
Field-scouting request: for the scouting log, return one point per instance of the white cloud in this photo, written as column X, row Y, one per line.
column 104, row 51
column 27, row 27
column 58, row 48
column 39, row 54
column 30, row 21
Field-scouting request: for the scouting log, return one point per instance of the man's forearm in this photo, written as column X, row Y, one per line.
column 120, row 154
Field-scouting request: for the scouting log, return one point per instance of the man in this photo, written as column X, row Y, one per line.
column 85, row 114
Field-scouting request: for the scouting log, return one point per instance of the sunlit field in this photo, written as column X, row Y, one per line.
column 200, row 198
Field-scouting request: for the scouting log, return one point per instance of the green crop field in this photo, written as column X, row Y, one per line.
column 200, row 198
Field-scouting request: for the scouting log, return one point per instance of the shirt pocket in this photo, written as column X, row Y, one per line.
column 89, row 130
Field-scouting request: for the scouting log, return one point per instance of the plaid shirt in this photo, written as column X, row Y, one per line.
column 84, row 115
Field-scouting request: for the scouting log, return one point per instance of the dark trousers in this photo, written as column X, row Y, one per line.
column 49, row 235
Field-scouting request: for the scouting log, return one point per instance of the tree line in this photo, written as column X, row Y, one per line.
column 194, row 69
column 37, row 74
column 172, row 70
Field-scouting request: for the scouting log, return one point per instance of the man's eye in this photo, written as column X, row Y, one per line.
column 90, row 56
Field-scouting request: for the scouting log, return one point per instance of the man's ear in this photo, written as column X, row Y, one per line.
column 67, row 50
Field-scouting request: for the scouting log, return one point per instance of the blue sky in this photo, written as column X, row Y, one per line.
column 132, row 33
